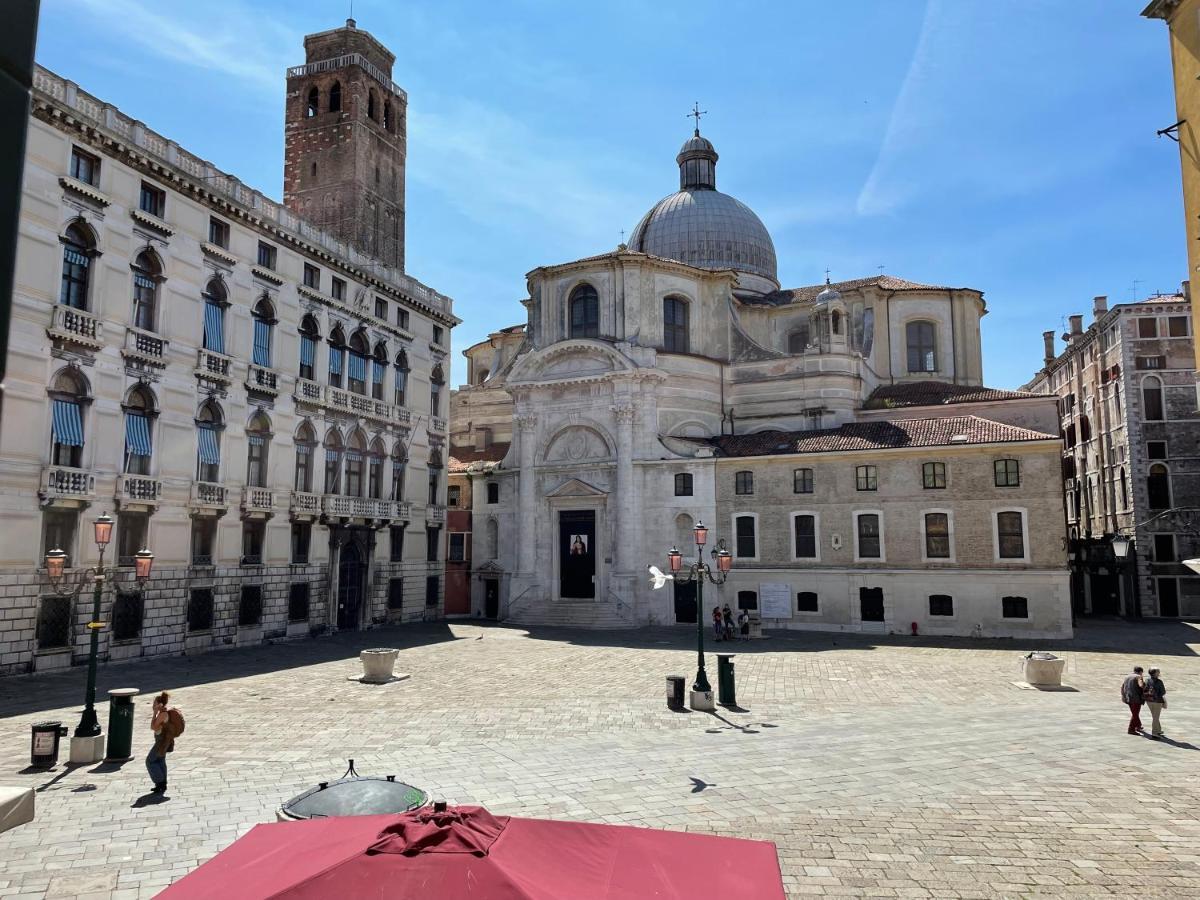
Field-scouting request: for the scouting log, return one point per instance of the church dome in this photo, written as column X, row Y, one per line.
column 702, row 227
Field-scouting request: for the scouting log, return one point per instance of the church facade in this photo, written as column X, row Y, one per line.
column 836, row 436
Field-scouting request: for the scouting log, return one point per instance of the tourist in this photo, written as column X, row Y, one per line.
column 164, row 742
column 1131, row 694
column 1156, row 698
column 744, row 624
column 728, row 620
column 718, row 624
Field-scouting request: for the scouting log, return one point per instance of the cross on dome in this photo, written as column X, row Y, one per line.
column 696, row 113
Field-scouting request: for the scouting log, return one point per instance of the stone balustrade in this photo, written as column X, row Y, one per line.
column 435, row 514
column 357, row 507
column 145, row 346
column 140, row 489
column 212, row 365
column 438, row 424
column 257, row 499
column 66, row 483
column 76, row 326
column 207, row 494
column 260, row 378
column 305, row 504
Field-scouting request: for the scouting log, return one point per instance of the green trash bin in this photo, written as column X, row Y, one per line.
column 725, row 694
column 120, row 723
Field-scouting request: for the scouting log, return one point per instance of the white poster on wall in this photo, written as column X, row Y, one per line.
column 775, row 600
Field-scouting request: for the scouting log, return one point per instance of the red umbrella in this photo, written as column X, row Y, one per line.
column 466, row 852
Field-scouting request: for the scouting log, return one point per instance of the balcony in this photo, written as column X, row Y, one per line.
column 437, row 423
column 305, row 505
column 261, row 379
column 76, row 327
column 435, row 514
column 209, row 498
column 338, row 506
column 308, row 392
column 66, row 486
column 135, row 491
column 145, row 347
column 214, row 366
column 257, row 502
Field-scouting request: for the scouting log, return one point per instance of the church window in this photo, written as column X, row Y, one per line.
column 743, row 483
column 921, row 347
column 310, row 108
column 675, row 325
column 798, row 339
column 309, row 335
column 258, row 440
column 585, row 312
column 335, row 97
column 836, row 319
column 683, row 484
column 371, row 104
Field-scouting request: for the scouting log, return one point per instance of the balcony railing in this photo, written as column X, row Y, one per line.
column 205, row 493
column 357, row 507
column 347, row 401
column 259, row 378
column 65, row 483
column 145, row 346
column 437, row 423
column 214, row 365
column 139, row 489
column 306, row 504
column 77, row 326
column 435, row 514
column 257, row 500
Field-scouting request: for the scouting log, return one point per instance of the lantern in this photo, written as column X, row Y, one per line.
column 103, row 527
column 701, row 533
column 56, row 561
column 674, row 560
column 724, row 559
column 142, row 561
column 1120, row 547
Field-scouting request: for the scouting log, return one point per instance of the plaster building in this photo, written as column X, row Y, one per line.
column 818, row 430
column 258, row 400
column 1130, row 436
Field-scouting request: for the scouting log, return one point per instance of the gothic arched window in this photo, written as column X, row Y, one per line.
column 358, row 363
column 335, row 97
column 436, row 380
column 375, row 470
column 68, row 394
column 584, row 307
column 264, row 320
column 922, row 352
column 371, row 105
column 1158, row 487
column 305, row 441
column 333, row 462
column 435, row 475
column 337, row 356
column 399, row 465
column 309, row 335
column 78, row 248
column 401, row 377
column 355, row 452
column 215, row 301
column 675, row 325
column 313, row 105
column 378, row 369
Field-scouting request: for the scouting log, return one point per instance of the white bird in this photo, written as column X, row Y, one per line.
column 658, row 577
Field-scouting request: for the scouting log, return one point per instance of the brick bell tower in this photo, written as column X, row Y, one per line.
column 344, row 142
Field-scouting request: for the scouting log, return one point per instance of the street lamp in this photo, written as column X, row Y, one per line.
column 1121, row 545
column 89, row 726
column 698, row 572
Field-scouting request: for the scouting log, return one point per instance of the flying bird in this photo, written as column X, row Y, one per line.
column 658, row 577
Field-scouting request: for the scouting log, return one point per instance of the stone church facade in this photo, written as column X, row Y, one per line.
column 837, row 437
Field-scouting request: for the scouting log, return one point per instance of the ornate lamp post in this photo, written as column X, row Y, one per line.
column 89, row 726
column 699, row 571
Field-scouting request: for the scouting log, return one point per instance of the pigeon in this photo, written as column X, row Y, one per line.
column 658, row 577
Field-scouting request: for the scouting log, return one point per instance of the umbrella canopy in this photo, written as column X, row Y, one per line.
column 466, row 852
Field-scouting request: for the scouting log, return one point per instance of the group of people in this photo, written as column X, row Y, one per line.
column 723, row 625
column 1140, row 689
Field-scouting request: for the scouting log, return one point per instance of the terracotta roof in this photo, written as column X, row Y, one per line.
column 885, row 435
column 883, row 282
column 462, row 457
column 936, row 393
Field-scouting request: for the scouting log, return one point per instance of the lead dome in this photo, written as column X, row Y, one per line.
column 700, row 226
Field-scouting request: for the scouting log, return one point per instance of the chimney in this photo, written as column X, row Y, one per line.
column 483, row 439
column 1048, row 340
column 1076, row 326
column 1185, row 288
column 1099, row 306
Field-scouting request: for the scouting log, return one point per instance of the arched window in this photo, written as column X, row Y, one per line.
column 922, row 352
column 585, row 312
column 215, row 301
column 375, row 470
column 836, row 321
column 309, row 335
column 492, row 533
column 314, row 102
column 1085, row 429
column 1152, row 399
column 305, row 442
column 482, row 376
column 1124, row 491
column 264, row 321
column 436, row 380
column 399, row 466
column 335, row 97
column 78, row 249
column 139, row 410
column 146, row 275
column 684, row 536
column 337, row 356
column 675, row 325
column 258, row 440
column 401, row 377
column 798, row 339
column 371, row 104
column 378, row 368
column 435, row 475
column 358, row 363
column 209, row 425
column 333, row 462
column 387, row 115
column 68, row 394
column 1158, row 486
column 356, row 449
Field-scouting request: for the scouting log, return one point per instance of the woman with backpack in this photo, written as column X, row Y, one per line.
column 167, row 724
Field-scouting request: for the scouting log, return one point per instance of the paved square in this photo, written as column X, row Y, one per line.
column 888, row 767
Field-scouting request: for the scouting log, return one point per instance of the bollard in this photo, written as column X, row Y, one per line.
column 675, row 688
column 43, row 744
column 120, row 723
column 725, row 690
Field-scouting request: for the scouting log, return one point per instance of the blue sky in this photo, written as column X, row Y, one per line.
column 1008, row 147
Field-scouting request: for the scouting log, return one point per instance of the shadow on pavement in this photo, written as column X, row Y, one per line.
column 149, row 800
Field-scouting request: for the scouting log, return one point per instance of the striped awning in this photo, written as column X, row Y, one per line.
column 353, row 456
column 358, row 367
column 210, row 452
column 262, row 343
column 71, row 255
column 214, row 328
column 137, row 434
column 143, row 282
column 335, row 361
column 377, row 370
column 256, row 440
column 308, row 350
column 68, row 423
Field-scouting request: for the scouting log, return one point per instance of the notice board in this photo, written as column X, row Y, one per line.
column 775, row 600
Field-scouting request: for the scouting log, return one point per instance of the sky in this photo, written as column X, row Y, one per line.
column 1008, row 147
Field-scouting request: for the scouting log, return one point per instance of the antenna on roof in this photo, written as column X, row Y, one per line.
column 1133, row 288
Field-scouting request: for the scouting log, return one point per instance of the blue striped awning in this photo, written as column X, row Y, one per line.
column 71, row 255
column 308, row 350
column 256, row 440
column 335, row 361
column 358, row 367
column 377, row 370
column 262, row 343
column 214, row 328
column 210, row 452
column 68, row 423
column 353, row 456
column 137, row 434
column 143, row 282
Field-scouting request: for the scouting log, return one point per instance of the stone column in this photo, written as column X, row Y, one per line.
column 628, row 522
column 526, row 502
column 335, row 559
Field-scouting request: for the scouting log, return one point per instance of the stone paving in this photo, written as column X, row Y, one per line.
column 880, row 766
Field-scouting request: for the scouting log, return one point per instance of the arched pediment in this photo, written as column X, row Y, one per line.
column 578, row 360
column 577, row 443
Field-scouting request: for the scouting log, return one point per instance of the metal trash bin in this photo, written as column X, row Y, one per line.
column 43, row 744
column 725, row 688
column 675, row 691
column 120, row 723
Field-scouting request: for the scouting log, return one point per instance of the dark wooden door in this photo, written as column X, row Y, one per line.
column 1168, row 597
column 1106, row 597
column 351, row 573
column 577, row 554
column 491, row 598
column 685, row 603
column 871, row 604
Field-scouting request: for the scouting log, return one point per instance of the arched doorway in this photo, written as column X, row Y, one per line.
column 351, row 575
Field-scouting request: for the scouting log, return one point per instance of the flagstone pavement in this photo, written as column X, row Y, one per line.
column 880, row 766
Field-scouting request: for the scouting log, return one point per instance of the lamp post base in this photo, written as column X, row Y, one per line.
column 87, row 749
column 702, row 701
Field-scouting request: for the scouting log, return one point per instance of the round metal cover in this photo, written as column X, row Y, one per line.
column 356, row 797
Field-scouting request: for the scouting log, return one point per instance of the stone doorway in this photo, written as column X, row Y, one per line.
column 352, row 574
column 577, row 554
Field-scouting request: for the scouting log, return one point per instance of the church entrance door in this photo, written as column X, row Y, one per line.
column 577, row 554
column 351, row 573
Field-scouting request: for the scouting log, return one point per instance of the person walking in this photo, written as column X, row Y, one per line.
column 727, row 616
column 744, row 625
column 164, row 741
column 1156, row 699
column 718, row 623
column 1132, row 689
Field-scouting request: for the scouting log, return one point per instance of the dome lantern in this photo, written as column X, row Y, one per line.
column 697, row 164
